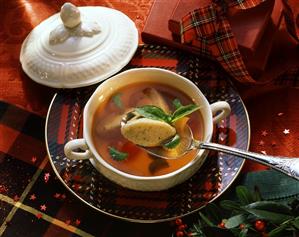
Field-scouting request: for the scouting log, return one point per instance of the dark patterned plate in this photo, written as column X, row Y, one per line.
column 214, row 177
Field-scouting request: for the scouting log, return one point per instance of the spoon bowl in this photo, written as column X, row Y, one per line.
column 187, row 143
column 286, row 165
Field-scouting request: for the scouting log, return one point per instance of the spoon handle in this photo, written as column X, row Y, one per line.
column 288, row 166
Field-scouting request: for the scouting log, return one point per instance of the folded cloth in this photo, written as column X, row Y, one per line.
column 208, row 29
column 272, row 185
column 291, row 16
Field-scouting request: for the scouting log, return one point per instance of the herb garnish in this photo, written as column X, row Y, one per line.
column 176, row 103
column 153, row 112
column 173, row 142
column 183, row 111
column 117, row 100
column 117, row 155
column 156, row 113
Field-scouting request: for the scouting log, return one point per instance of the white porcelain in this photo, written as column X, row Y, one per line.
column 106, row 89
column 79, row 47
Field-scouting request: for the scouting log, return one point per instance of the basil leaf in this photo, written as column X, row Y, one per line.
column 173, row 142
column 177, row 103
column 117, row 100
column 117, row 155
column 183, row 111
column 153, row 112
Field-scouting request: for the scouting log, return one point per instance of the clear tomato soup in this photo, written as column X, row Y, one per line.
column 106, row 128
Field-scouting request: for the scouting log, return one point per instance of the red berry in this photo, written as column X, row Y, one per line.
column 180, row 234
column 259, row 225
column 178, row 221
column 242, row 226
column 182, row 227
column 264, row 234
column 221, row 225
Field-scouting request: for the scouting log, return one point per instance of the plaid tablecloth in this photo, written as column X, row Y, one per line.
column 33, row 202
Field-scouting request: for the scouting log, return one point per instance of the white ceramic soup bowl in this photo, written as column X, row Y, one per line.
column 211, row 113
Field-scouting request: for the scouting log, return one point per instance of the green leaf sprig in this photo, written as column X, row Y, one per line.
column 176, row 103
column 117, row 100
column 239, row 218
column 173, row 142
column 153, row 112
column 117, row 155
column 183, row 111
column 156, row 113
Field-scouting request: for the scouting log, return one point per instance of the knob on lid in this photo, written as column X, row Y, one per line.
column 79, row 47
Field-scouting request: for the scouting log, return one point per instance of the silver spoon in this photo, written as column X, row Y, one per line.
column 288, row 166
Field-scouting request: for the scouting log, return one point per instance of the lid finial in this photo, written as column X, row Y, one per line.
column 72, row 25
column 70, row 15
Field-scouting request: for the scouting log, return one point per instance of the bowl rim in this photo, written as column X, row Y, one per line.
column 201, row 154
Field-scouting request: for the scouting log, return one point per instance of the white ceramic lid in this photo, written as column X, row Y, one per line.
column 79, row 47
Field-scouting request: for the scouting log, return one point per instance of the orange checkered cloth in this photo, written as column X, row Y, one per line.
column 208, row 29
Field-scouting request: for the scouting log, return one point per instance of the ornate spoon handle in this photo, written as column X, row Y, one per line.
column 288, row 166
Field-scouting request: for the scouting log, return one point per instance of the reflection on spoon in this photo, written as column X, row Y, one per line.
column 288, row 166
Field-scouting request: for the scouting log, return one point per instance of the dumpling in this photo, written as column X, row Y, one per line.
column 147, row 132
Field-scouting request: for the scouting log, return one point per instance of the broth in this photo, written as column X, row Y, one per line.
column 106, row 129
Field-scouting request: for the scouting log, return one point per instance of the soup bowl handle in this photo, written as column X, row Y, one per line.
column 71, row 146
column 220, row 110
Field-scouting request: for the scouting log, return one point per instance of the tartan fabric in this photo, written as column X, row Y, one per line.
column 290, row 16
column 25, row 188
column 208, row 29
column 23, row 134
